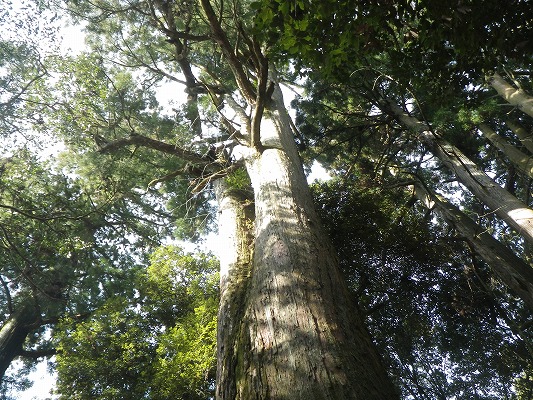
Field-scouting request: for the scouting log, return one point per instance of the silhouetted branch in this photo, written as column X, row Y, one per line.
column 35, row 354
column 139, row 140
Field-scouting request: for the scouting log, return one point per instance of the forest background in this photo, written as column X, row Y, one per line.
column 421, row 113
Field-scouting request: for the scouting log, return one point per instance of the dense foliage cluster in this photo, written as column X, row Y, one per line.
column 158, row 344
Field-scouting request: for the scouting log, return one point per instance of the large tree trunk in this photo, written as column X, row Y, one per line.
column 300, row 336
column 13, row 334
column 506, row 206
column 519, row 159
column 511, row 269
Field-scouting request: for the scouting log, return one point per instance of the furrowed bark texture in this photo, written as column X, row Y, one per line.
column 512, row 270
column 506, row 206
column 235, row 220
column 13, row 334
column 300, row 337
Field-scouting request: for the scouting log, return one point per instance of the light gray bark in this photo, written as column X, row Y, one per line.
column 511, row 269
column 520, row 160
column 235, row 222
column 302, row 337
column 523, row 135
column 13, row 333
column 506, row 206
column 515, row 97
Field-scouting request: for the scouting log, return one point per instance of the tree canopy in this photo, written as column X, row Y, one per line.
column 159, row 344
column 420, row 111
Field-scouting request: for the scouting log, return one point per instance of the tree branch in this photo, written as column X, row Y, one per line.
column 188, row 170
column 261, row 98
column 24, row 89
column 139, row 140
column 235, row 64
column 8, row 295
column 515, row 97
column 35, row 354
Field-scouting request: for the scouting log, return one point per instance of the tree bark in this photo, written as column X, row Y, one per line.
column 525, row 137
column 13, row 334
column 300, row 336
column 515, row 97
column 235, row 228
column 520, row 160
column 511, row 269
column 506, row 206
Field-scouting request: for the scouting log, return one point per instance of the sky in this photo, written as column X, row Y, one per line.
column 43, row 382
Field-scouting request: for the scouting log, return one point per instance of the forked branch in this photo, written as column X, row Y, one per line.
column 244, row 84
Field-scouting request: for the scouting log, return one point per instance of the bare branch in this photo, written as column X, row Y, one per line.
column 219, row 174
column 235, row 64
column 139, row 140
column 188, row 170
column 8, row 295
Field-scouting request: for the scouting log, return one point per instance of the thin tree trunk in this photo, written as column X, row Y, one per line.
column 235, row 221
column 301, row 337
column 13, row 334
column 520, row 160
column 525, row 137
column 515, row 97
column 506, row 206
column 512, row 270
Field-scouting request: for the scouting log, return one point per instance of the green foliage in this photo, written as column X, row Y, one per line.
column 20, row 70
column 115, row 343
column 238, row 179
column 435, row 49
column 524, row 386
column 445, row 327
column 372, row 229
column 158, row 343
column 26, row 43
column 186, row 356
column 175, row 280
column 49, row 229
column 102, row 104
column 57, row 252
column 435, row 310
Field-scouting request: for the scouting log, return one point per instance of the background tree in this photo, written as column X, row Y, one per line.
column 159, row 343
column 433, row 307
column 55, row 259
